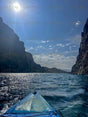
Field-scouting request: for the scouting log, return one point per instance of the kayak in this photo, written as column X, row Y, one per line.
column 32, row 105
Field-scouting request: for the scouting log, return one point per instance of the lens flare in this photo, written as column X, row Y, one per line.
column 16, row 6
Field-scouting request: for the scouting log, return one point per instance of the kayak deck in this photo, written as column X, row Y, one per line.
column 32, row 105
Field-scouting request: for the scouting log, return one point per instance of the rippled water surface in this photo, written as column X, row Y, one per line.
column 66, row 93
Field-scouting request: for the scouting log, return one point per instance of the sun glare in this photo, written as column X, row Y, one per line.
column 16, row 6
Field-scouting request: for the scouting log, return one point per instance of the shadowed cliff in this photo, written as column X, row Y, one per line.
column 13, row 57
column 81, row 66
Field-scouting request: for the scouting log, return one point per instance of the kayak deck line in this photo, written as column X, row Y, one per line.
column 32, row 105
column 30, row 115
column 45, row 113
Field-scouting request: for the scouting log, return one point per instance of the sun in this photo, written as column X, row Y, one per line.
column 16, row 7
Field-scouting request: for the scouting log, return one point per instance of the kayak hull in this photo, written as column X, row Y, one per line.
column 30, row 106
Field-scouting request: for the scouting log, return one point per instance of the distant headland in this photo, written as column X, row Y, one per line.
column 14, row 58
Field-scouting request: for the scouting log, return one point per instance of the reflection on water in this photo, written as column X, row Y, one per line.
column 68, row 94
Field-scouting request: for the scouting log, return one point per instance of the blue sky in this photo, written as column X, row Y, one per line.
column 50, row 29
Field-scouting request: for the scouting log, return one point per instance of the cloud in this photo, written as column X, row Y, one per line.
column 60, row 45
column 75, row 40
column 67, row 44
column 31, row 48
column 55, row 60
column 77, row 23
column 70, row 48
column 44, row 41
column 71, row 52
column 47, row 41
column 40, row 46
column 63, row 45
column 50, row 46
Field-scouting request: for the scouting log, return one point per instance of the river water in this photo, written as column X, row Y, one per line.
column 66, row 93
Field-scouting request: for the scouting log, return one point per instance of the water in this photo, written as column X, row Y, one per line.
column 66, row 93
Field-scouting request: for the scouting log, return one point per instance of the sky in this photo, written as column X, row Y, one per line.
column 50, row 29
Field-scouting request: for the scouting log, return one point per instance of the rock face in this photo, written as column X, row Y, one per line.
column 13, row 57
column 12, row 51
column 81, row 66
column 32, row 66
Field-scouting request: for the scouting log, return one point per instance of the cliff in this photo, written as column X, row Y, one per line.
column 81, row 66
column 12, row 51
column 13, row 57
